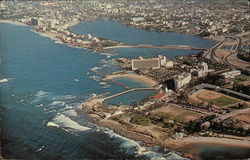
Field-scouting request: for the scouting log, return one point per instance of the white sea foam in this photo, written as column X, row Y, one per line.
column 173, row 155
column 68, row 97
column 64, row 97
column 95, row 69
column 39, row 105
column 66, row 122
column 71, row 113
column 96, row 78
column 68, row 107
column 58, row 42
column 104, row 61
column 108, row 55
column 51, row 111
column 104, row 85
column 40, row 95
column 4, row 80
column 55, row 103
column 41, row 148
column 142, row 151
column 105, row 65
column 93, row 95
column 52, row 124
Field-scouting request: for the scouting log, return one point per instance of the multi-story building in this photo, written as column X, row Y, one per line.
column 231, row 74
column 181, row 80
column 148, row 63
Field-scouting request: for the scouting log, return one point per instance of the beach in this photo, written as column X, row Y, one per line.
column 13, row 22
column 153, row 136
column 135, row 77
column 217, row 140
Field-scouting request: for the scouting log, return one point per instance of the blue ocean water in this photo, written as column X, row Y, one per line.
column 42, row 86
column 130, row 35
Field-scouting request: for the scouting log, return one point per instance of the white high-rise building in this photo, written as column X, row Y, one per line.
column 181, row 80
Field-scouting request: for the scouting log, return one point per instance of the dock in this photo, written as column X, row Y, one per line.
column 127, row 91
column 118, row 83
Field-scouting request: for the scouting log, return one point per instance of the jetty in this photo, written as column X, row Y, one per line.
column 118, row 83
column 178, row 47
column 127, row 91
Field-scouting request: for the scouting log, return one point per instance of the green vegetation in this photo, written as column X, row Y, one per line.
column 177, row 29
column 244, row 55
column 221, row 101
column 182, row 117
column 162, row 119
column 242, row 77
column 140, row 120
column 240, row 87
column 234, row 31
column 204, row 34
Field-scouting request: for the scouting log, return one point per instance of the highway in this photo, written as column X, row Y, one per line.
column 231, row 59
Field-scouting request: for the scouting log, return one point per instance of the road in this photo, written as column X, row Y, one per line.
column 231, row 59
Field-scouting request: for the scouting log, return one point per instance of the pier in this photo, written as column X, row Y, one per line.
column 118, row 83
column 127, row 91
column 178, row 47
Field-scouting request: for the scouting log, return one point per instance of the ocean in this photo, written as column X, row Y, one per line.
column 43, row 83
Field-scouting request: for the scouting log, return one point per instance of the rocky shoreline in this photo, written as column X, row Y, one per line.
column 119, row 119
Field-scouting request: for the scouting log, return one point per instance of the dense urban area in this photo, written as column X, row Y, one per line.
column 192, row 17
column 197, row 96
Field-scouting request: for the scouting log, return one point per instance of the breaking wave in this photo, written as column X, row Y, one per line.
column 128, row 144
column 71, row 113
column 55, row 103
column 40, row 96
column 52, row 124
column 4, row 80
column 65, row 122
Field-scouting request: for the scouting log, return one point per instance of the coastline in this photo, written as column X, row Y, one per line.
column 151, row 136
column 147, row 138
column 217, row 141
column 184, row 47
column 135, row 77
column 13, row 22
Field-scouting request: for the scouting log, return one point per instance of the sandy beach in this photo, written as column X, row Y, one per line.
column 136, row 77
column 216, row 140
column 13, row 22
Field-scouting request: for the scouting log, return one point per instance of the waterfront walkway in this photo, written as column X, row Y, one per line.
column 183, row 47
column 127, row 91
column 118, row 83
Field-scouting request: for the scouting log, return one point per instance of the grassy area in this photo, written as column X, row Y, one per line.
column 242, row 77
column 177, row 29
column 182, row 117
column 140, row 120
column 221, row 101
